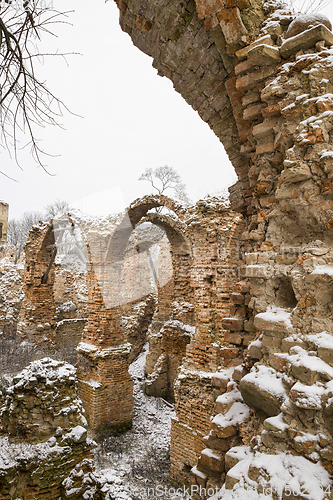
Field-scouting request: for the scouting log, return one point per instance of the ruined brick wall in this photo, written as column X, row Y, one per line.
column 37, row 315
column 53, row 311
column 4, row 208
column 44, row 444
column 216, row 266
column 179, row 317
column 271, row 76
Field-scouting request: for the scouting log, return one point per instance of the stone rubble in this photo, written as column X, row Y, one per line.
column 43, row 436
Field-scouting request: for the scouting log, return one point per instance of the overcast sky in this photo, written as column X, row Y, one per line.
column 131, row 119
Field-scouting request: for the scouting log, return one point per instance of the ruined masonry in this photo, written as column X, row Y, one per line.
column 45, row 451
column 240, row 332
column 261, row 77
column 4, row 207
column 186, row 321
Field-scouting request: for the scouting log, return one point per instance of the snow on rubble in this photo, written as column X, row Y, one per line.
column 267, row 379
column 279, row 476
column 129, row 464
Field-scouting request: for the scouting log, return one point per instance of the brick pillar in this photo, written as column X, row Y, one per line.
column 106, row 387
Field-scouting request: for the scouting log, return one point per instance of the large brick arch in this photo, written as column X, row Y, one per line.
column 194, row 44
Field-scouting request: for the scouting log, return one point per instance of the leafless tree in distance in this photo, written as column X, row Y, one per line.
column 57, row 208
column 165, row 179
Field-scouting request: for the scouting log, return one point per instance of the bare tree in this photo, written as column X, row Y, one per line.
column 58, row 207
column 25, row 101
column 18, row 230
column 166, row 179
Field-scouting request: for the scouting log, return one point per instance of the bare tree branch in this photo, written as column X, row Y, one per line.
column 25, row 101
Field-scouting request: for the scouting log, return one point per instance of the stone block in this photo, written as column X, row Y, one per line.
column 265, row 128
column 295, row 174
column 251, row 97
column 242, row 53
column 229, row 353
column 249, row 326
column 220, row 382
column 251, row 80
column 326, row 354
column 231, row 459
column 289, row 342
column 221, row 444
column 232, row 26
column 243, row 67
column 237, row 298
column 263, row 55
column 225, row 432
column 277, row 362
column 272, row 110
column 230, row 481
column 233, row 324
column 266, row 146
column 254, row 351
column 306, row 40
column 272, row 322
column 233, row 338
column 211, row 460
column 263, row 390
column 253, row 112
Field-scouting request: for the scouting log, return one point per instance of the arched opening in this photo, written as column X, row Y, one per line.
column 120, row 278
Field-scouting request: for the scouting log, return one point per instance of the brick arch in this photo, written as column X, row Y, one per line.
column 136, row 211
column 197, row 45
column 38, row 315
column 104, row 352
column 38, row 309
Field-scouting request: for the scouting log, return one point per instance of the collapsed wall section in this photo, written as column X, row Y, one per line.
column 44, row 449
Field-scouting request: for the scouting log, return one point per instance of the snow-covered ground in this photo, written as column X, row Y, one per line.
column 135, row 465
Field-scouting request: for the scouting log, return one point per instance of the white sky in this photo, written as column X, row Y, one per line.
column 132, row 119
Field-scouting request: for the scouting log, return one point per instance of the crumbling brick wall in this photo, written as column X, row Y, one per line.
column 52, row 314
column 37, row 316
column 4, row 208
column 179, row 317
column 43, row 436
column 262, row 81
